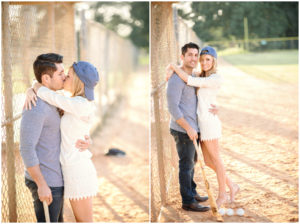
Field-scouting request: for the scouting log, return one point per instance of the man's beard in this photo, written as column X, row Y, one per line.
column 188, row 65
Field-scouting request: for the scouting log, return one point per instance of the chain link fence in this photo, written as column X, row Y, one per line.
column 28, row 30
column 115, row 58
column 168, row 34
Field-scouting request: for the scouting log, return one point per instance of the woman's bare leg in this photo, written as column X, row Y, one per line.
column 233, row 187
column 208, row 162
column 83, row 209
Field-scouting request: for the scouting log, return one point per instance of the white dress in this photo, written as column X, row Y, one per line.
column 80, row 177
column 209, row 124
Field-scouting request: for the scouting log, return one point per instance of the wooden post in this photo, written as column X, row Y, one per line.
column 83, row 33
column 158, row 10
column 26, row 20
column 246, row 33
column 51, row 25
column 8, row 100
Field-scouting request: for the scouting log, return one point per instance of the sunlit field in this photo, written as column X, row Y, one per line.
column 280, row 66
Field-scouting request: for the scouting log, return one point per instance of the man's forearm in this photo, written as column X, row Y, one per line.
column 36, row 175
column 192, row 133
column 44, row 191
column 184, row 124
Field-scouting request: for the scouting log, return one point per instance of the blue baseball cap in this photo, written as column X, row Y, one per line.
column 88, row 74
column 209, row 50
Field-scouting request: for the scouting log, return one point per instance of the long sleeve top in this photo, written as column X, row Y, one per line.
column 207, row 93
column 75, row 123
column 182, row 102
column 40, row 142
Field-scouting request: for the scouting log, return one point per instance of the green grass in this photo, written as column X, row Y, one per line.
column 144, row 59
column 276, row 66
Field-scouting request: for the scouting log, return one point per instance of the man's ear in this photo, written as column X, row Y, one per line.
column 46, row 79
column 181, row 56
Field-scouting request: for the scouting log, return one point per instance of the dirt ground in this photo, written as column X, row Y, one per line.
column 259, row 148
column 124, row 181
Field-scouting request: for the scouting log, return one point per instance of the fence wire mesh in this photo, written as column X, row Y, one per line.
column 28, row 30
column 166, row 43
column 115, row 58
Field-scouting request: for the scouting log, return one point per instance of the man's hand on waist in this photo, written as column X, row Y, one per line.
column 214, row 109
column 83, row 144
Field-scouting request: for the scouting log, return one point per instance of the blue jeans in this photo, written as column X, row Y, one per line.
column 55, row 208
column 187, row 156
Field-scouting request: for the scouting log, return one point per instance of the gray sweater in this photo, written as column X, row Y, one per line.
column 182, row 102
column 40, row 141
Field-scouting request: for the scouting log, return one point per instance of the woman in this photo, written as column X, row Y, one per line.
column 80, row 177
column 208, row 83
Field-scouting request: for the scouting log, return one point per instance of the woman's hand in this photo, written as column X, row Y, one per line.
column 197, row 73
column 36, row 86
column 30, row 98
column 169, row 71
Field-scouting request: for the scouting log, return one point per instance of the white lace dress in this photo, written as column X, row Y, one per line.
column 209, row 124
column 79, row 173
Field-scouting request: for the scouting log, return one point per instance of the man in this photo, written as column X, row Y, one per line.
column 40, row 142
column 182, row 105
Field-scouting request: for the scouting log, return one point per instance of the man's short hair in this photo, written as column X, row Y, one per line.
column 45, row 64
column 189, row 45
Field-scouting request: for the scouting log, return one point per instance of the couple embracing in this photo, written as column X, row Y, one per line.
column 54, row 138
column 191, row 97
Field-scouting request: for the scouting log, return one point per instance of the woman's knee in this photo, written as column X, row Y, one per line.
column 84, row 219
column 213, row 151
column 209, row 164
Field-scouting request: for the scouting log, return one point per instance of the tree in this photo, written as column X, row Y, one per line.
column 140, row 25
column 138, row 21
column 224, row 20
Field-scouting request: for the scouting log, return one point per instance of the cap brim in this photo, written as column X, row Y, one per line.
column 89, row 93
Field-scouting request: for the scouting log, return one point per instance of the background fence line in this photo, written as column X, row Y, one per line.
column 31, row 29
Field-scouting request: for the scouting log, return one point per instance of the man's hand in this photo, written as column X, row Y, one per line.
column 45, row 194
column 83, row 144
column 192, row 134
column 214, row 110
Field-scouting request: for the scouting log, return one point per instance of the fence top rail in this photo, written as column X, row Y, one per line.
column 251, row 40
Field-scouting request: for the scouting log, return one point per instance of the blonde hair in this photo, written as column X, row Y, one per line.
column 213, row 69
column 77, row 85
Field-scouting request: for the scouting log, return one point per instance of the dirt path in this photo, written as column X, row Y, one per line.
column 259, row 148
column 124, row 181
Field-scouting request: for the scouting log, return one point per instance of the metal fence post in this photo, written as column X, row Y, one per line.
column 8, row 100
